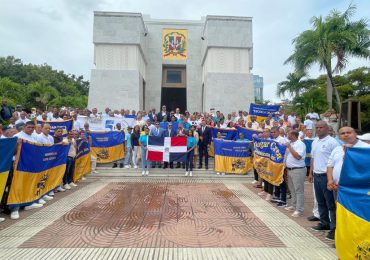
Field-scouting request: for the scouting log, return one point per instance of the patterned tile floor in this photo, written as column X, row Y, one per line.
column 158, row 217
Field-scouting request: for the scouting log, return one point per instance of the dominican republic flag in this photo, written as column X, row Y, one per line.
column 167, row 149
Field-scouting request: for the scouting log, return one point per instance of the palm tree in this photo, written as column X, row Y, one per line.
column 40, row 92
column 293, row 84
column 337, row 37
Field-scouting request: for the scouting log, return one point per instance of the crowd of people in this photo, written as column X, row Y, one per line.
column 327, row 152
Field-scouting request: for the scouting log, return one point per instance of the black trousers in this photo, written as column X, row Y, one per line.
column 203, row 151
column 268, row 187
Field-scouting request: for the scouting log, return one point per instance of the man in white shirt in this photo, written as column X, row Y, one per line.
column 308, row 123
column 255, row 124
column 322, row 147
column 94, row 113
column 291, row 119
column 296, row 168
column 22, row 118
column 44, row 137
column 349, row 137
column 313, row 115
column 25, row 134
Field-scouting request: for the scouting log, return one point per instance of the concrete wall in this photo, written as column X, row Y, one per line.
column 128, row 50
column 115, row 89
column 156, row 63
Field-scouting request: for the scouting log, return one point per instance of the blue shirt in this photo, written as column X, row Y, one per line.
column 191, row 141
column 128, row 140
column 143, row 140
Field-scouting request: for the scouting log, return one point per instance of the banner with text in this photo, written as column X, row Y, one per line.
column 83, row 159
column 269, row 159
column 66, row 125
column 34, row 177
column 232, row 157
column 107, row 146
column 263, row 110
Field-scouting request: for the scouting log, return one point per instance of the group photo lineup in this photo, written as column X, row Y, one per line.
column 134, row 131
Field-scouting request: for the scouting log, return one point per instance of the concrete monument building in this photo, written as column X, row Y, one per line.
column 142, row 63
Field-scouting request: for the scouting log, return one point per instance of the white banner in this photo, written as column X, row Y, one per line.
column 105, row 124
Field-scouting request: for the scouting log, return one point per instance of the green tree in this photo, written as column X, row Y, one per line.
column 293, row 85
column 40, row 93
column 334, row 36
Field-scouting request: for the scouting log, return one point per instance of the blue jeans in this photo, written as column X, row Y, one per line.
column 325, row 201
column 145, row 164
column 70, row 168
column 189, row 160
column 128, row 156
column 280, row 191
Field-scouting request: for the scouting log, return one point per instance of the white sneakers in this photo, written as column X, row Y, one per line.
column 41, row 201
column 218, row 173
column 67, row 187
column 2, row 219
column 72, row 184
column 83, row 178
column 143, row 173
column 14, row 214
column 191, row 173
column 296, row 214
column 254, row 182
column 33, row 206
column 135, row 166
column 186, row 174
column 47, row 198
column 51, row 193
column 268, row 197
column 261, row 193
column 127, row 167
column 60, row 189
column 147, row 173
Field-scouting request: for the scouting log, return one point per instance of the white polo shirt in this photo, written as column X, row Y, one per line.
column 336, row 159
column 300, row 148
column 321, row 150
column 44, row 139
column 24, row 136
column 309, row 124
column 281, row 140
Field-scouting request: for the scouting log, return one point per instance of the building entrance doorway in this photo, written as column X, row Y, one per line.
column 174, row 88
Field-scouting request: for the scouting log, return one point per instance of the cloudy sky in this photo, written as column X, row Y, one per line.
column 59, row 32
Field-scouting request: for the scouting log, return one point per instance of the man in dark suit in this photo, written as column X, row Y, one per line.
column 163, row 113
column 205, row 138
column 169, row 132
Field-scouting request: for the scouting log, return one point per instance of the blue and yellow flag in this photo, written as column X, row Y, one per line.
column 352, row 235
column 107, row 146
column 232, row 157
column 66, row 125
column 248, row 133
column 226, row 134
column 262, row 111
column 308, row 144
column 38, row 170
column 269, row 159
column 83, row 159
column 7, row 148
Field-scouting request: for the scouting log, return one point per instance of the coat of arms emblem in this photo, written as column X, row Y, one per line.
column 175, row 44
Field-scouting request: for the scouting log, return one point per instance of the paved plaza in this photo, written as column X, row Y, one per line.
column 117, row 214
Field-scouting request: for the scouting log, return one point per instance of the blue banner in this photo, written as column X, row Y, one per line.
column 248, row 133
column 34, row 177
column 353, row 207
column 232, row 157
column 226, row 133
column 7, row 148
column 263, row 110
column 65, row 125
column 308, row 144
column 269, row 160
